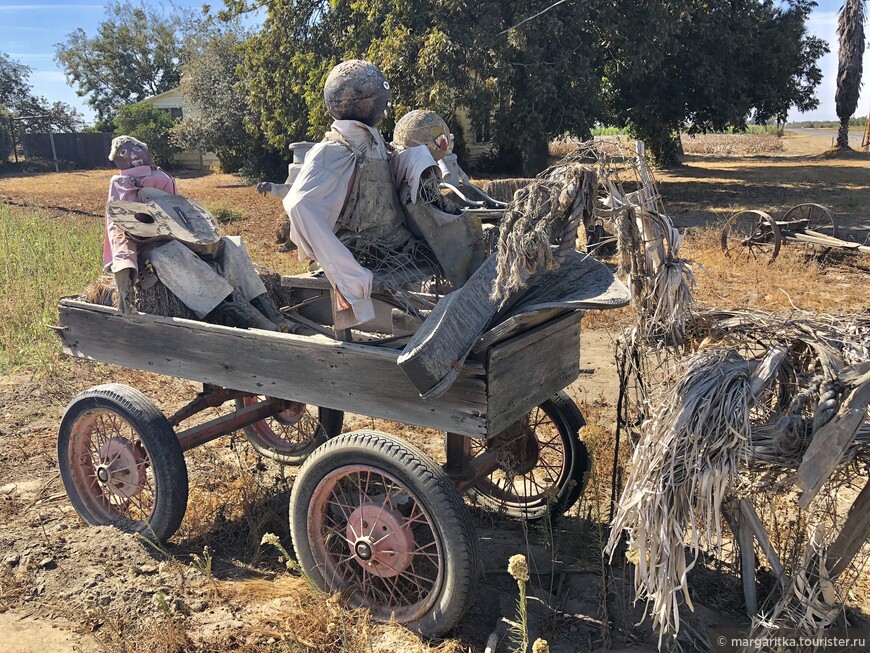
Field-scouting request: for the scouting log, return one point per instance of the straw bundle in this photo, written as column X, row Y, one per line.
column 539, row 227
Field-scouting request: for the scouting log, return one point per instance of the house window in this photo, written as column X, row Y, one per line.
column 482, row 134
column 175, row 112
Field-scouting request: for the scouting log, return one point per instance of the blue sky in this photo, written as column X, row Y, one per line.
column 30, row 29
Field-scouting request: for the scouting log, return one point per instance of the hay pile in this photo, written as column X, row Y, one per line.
column 154, row 298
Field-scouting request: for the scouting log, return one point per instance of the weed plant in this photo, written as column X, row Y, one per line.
column 41, row 260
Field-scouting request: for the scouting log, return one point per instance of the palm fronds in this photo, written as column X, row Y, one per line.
column 850, row 30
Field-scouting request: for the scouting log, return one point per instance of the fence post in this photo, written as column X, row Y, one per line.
column 53, row 151
column 12, row 134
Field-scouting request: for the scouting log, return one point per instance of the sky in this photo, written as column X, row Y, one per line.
column 30, row 30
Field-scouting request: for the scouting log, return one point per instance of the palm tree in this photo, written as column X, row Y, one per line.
column 850, row 29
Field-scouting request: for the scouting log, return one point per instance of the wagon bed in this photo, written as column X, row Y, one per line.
column 502, row 380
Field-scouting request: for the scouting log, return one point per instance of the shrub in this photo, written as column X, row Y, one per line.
column 150, row 125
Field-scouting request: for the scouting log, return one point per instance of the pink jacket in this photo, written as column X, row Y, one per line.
column 119, row 251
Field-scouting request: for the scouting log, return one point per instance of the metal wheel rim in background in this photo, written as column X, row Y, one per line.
column 751, row 235
column 819, row 218
column 497, row 485
column 286, row 438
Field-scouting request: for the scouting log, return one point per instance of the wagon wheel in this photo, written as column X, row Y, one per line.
column 542, row 462
column 121, row 462
column 751, row 234
column 374, row 518
column 291, row 435
column 817, row 218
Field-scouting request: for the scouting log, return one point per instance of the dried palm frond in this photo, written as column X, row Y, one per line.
column 731, row 409
column 539, row 227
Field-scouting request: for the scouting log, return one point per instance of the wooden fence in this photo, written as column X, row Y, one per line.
column 84, row 150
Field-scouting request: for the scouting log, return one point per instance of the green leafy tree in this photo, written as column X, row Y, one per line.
column 710, row 66
column 850, row 29
column 221, row 118
column 152, row 126
column 16, row 95
column 529, row 83
column 135, row 53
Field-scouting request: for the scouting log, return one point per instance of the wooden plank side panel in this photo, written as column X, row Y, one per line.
column 311, row 369
column 530, row 368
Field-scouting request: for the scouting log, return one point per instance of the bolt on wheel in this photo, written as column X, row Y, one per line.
column 121, row 463
column 375, row 519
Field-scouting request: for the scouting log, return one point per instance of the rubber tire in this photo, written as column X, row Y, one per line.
column 330, row 420
column 161, row 444
column 432, row 489
column 568, row 420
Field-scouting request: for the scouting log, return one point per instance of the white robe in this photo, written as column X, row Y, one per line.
column 315, row 202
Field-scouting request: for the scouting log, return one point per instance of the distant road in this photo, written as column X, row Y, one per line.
column 827, row 136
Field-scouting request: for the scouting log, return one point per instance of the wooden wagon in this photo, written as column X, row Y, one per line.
column 370, row 515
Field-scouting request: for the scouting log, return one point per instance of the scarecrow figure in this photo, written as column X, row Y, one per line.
column 343, row 207
column 217, row 282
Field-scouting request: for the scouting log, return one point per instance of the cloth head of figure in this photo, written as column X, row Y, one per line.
column 423, row 127
column 128, row 152
column 357, row 90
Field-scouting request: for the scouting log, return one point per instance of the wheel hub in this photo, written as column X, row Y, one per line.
column 517, row 448
column 380, row 538
column 290, row 415
column 122, row 467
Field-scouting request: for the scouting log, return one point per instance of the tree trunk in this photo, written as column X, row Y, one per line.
column 664, row 148
column 843, row 134
column 535, row 153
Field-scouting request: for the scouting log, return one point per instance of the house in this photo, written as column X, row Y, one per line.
column 477, row 143
column 175, row 102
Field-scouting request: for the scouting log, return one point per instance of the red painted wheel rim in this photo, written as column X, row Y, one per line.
column 111, row 468
column 533, row 462
column 288, row 432
column 373, row 539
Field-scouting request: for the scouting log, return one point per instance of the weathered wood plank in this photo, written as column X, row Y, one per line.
column 830, row 442
column 530, row 368
column 512, row 326
column 312, row 369
column 854, row 534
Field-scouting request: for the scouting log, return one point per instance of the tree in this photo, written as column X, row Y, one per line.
column 150, row 125
column 136, row 53
column 16, row 95
column 221, row 120
column 850, row 29
column 710, row 66
column 530, row 83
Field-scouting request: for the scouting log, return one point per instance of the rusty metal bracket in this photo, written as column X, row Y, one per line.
column 220, row 426
column 211, row 396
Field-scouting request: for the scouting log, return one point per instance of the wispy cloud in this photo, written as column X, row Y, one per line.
column 48, row 76
column 46, row 7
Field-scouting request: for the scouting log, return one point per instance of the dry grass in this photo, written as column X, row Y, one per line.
column 800, row 277
column 732, row 144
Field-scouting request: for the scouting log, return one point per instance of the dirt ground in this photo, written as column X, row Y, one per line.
column 66, row 587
